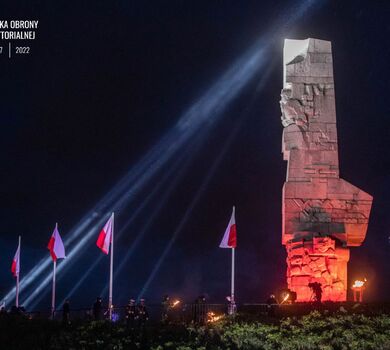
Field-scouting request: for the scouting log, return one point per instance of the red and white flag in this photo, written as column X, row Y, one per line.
column 15, row 267
column 229, row 239
column 105, row 235
column 56, row 247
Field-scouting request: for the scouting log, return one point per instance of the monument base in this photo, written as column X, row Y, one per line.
column 317, row 260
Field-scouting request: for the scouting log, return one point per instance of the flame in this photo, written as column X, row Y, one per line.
column 176, row 302
column 285, row 298
column 212, row 317
column 359, row 284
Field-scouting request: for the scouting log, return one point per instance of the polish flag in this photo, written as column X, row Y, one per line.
column 56, row 247
column 229, row 239
column 105, row 235
column 15, row 267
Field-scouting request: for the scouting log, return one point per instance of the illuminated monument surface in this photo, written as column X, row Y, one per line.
column 323, row 215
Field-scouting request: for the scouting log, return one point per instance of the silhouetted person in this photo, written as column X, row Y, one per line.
column 271, row 305
column 293, row 296
column 22, row 312
column 131, row 314
column 232, row 307
column 165, row 309
column 15, row 310
column 143, row 317
column 97, row 309
column 200, row 310
column 142, row 314
column 66, row 312
column 271, row 300
column 3, row 312
column 317, row 291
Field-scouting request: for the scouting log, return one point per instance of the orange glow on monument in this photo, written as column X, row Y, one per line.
column 323, row 215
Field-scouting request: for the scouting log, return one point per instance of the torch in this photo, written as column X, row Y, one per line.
column 358, row 287
column 285, row 298
column 175, row 303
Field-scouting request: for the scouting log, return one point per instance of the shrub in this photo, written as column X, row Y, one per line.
column 313, row 331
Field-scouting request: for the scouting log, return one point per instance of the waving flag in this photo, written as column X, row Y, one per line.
column 56, row 247
column 15, row 267
column 229, row 239
column 105, row 236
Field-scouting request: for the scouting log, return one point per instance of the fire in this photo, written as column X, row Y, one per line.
column 285, row 298
column 176, row 302
column 358, row 288
column 212, row 317
column 359, row 284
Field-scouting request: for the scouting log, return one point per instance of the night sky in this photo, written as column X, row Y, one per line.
column 106, row 80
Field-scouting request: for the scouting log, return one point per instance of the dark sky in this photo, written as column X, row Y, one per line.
column 106, row 80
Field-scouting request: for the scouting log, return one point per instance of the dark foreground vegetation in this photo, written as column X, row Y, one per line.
column 313, row 331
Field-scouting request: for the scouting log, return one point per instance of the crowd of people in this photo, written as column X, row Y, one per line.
column 137, row 315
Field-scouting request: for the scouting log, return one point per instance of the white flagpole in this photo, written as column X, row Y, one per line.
column 53, row 295
column 17, row 278
column 111, row 270
column 53, row 292
column 233, row 302
column 232, row 286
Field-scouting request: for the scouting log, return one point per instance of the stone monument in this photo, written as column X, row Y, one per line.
column 323, row 215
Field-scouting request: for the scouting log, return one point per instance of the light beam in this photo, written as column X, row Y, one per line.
column 196, row 121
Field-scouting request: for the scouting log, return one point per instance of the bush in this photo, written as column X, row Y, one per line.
column 313, row 331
